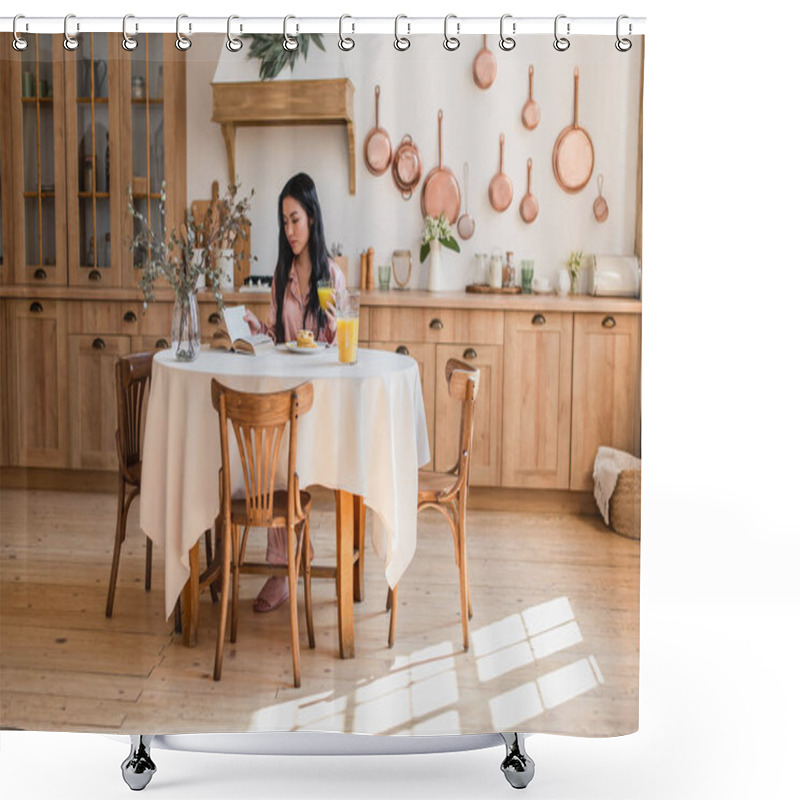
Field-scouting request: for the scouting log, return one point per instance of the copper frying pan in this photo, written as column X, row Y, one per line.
column 573, row 154
column 440, row 192
column 484, row 67
column 407, row 167
column 529, row 207
column 501, row 190
column 377, row 145
column 531, row 113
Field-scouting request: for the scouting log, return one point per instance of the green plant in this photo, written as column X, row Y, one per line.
column 269, row 49
column 437, row 229
column 574, row 264
column 173, row 256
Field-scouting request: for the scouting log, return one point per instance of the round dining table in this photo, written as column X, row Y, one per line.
column 364, row 437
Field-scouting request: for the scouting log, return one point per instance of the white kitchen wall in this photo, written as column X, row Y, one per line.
column 414, row 86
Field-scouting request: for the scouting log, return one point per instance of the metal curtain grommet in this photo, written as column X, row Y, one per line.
column 561, row 43
column 401, row 42
column 623, row 45
column 507, row 42
column 451, row 43
column 233, row 44
column 128, row 42
column 18, row 43
column 183, row 43
column 70, row 42
column 346, row 43
column 289, row 42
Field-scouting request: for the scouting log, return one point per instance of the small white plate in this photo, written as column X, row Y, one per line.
column 303, row 351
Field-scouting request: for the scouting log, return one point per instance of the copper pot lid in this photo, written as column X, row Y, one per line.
column 377, row 144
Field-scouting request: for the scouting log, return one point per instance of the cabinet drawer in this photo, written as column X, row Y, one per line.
column 436, row 325
column 119, row 317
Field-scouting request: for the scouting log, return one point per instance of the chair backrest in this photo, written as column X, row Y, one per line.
column 132, row 374
column 258, row 422
column 463, row 381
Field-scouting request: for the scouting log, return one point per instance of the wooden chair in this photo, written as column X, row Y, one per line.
column 447, row 491
column 258, row 422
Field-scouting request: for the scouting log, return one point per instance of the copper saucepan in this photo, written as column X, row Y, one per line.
column 501, row 190
column 407, row 167
column 573, row 154
column 440, row 192
column 377, row 144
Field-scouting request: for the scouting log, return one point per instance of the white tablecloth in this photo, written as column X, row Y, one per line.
column 365, row 434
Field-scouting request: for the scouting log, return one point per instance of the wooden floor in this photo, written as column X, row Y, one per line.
column 555, row 633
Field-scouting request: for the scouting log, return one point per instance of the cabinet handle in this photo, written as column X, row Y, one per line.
column 609, row 322
column 130, row 316
column 162, row 344
column 436, row 324
column 36, row 307
column 40, row 274
column 402, row 349
column 470, row 353
column 99, row 344
column 214, row 318
column 538, row 319
column 95, row 275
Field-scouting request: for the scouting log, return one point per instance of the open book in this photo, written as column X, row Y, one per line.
column 237, row 337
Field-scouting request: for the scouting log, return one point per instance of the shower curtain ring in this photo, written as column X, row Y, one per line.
column 346, row 43
column 18, row 43
column 623, row 45
column 507, row 42
column 289, row 42
column 70, row 42
column 561, row 43
column 451, row 43
column 182, row 42
column 233, row 44
column 401, row 42
column 128, row 42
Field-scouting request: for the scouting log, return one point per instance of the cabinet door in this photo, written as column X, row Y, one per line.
column 6, row 224
column 425, row 356
column 93, row 399
column 486, row 437
column 35, row 95
column 37, row 362
column 3, row 384
column 93, row 183
column 605, row 390
column 537, row 380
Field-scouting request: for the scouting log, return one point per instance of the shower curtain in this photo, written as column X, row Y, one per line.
column 476, row 186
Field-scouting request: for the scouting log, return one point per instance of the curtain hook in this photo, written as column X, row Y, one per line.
column 233, row 44
column 182, row 42
column 451, row 43
column 18, row 43
column 70, row 42
column 346, row 43
column 289, row 42
column 129, row 42
column 401, row 43
column 623, row 45
column 507, row 42
column 561, row 43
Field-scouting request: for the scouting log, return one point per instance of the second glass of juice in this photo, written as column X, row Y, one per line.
column 325, row 291
column 347, row 328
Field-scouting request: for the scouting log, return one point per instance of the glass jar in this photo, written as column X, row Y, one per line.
column 496, row 270
column 481, row 275
column 509, row 273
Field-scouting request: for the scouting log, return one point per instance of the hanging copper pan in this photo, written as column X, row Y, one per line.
column 573, row 154
column 377, row 144
column 407, row 167
column 501, row 190
column 531, row 113
column 484, row 67
column 529, row 206
column 440, row 192
column 600, row 206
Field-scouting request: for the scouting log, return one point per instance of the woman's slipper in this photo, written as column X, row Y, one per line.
column 274, row 593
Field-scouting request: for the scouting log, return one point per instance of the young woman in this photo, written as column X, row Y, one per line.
column 303, row 261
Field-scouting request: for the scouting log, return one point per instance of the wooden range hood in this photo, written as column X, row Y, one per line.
column 314, row 102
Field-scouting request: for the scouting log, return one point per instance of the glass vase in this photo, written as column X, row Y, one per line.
column 185, row 328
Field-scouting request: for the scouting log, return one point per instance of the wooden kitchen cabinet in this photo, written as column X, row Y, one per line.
column 605, row 390
column 3, row 387
column 38, row 405
column 6, row 165
column 537, row 386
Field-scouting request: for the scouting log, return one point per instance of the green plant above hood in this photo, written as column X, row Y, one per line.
column 269, row 49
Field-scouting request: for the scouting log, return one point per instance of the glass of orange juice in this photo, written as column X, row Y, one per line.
column 347, row 328
column 325, row 291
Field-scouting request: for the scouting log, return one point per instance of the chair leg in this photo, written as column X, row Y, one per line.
column 359, row 523
column 392, row 602
column 235, row 589
column 177, row 617
column 307, row 582
column 118, row 538
column 148, row 565
column 462, row 574
column 223, row 600
column 293, row 621
column 209, row 560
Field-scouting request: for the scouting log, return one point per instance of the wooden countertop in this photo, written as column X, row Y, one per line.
column 413, row 298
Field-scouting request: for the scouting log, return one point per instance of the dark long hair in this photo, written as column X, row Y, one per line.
column 301, row 188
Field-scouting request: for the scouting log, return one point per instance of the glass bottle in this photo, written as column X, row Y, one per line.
column 509, row 275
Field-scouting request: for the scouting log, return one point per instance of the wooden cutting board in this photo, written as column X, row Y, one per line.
column 484, row 288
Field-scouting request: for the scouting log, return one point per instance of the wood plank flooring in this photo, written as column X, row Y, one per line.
column 555, row 632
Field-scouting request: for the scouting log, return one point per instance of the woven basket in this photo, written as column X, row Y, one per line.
column 625, row 507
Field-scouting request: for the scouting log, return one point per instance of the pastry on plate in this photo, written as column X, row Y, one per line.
column 305, row 339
